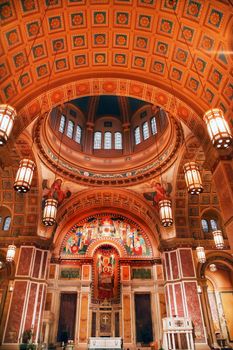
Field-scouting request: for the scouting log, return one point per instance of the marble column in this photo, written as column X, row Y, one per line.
column 207, row 312
column 84, row 308
column 127, row 144
column 89, row 138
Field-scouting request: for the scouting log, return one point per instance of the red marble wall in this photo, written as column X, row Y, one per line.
column 194, row 310
column 31, row 305
column 37, row 264
column 179, row 300
column 174, row 265
column 172, row 301
column 12, row 332
column 38, row 311
column 24, row 263
column 186, row 262
column 44, row 265
column 181, row 289
column 28, row 295
column 167, row 301
column 167, row 266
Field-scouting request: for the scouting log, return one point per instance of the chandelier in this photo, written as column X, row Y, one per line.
column 193, row 178
column 24, row 175
column 50, row 212
column 201, row 255
column 7, row 116
column 218, row 239
column 10, row 255
column 165, row 212
column 218, row 128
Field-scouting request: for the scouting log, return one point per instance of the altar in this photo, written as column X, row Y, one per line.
column 105, row 343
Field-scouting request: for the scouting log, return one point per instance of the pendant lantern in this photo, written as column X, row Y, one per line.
column 24, row 175
column 50, row 212
column 165, row 212
column 193, row 178
column 10, row 255
column 213, row 268
column 201, row 255
column 218, row 239
column 218, row 128
column 7, row 116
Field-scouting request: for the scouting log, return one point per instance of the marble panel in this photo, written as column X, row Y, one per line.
column 31, row 306
column 15, row 312
column 83, row 318
column 179, row 300
column 194, row 310
column 37, row 263
column 174, row 265
column 127, row 318
column 187, row 262
column 24, row 263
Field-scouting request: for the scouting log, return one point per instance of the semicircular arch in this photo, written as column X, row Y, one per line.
column 211, row 257
column 120, row 201
column 134, row 88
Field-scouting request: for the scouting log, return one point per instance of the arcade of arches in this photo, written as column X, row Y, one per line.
column 110, row 97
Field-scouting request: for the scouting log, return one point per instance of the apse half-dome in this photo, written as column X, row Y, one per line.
column 112, row 140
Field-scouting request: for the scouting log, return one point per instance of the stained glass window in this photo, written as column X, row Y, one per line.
column 97, row 140
column 137, row 136
column 214, row 225
column 204, row 225
column 62, row 124
column 145, row 130
column 107, row 140
column 70, row 129
column 78, row 134
column 7, row 223
column 118, row 140
column 153, row 126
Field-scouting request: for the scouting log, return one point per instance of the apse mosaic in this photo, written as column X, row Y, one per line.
column 110, row 228
column 106, row 273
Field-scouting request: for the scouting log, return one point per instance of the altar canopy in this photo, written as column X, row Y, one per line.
column 108, row 227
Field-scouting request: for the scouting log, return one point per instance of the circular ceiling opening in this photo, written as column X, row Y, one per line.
column 108, row 139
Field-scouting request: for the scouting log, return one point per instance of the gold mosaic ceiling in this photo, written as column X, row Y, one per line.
column 143, row 40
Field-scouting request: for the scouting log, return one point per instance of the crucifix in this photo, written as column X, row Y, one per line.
column 105, row 318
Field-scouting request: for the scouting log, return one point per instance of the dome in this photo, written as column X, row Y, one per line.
column 108, row 139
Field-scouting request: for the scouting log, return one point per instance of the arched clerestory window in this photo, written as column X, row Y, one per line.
column 6, row 223
column 118, row 140
column 153, row 126
column 137, row 136
column 70, row 129
column 62, row 124
column 107, row 140
column 145, row 131
column 78, row 134
column 97, row 140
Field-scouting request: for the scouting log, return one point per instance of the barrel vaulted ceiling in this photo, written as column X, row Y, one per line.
column 151, row 41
